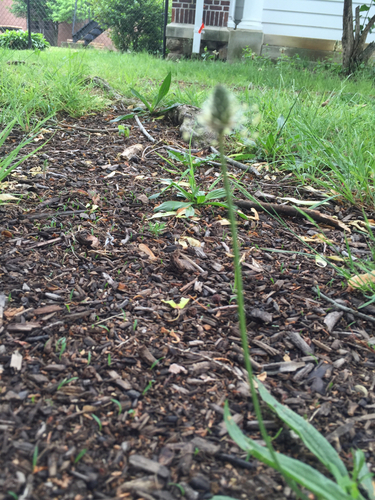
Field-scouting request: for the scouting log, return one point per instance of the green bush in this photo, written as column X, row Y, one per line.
column 134, row 24
column 19, row 40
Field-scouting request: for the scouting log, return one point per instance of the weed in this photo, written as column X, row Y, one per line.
column 156, row 362
column 118, row 405
column 157, row 228
column 66, row 381
column 152, row 107
column 97, row 420
column 148, row 387
column 181, row 488
column 80, row 455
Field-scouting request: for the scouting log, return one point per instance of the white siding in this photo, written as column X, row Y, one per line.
column 307, row 18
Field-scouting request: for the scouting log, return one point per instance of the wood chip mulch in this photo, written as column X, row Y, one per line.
column 106, row 391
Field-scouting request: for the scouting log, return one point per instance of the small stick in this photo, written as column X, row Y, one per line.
column 344, row 308
column 143, row 130
column 223, row 308
column 93, row 130
column 237, row 164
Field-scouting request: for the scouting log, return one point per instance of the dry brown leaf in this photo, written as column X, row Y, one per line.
column 10, row 313
column 6, row 234
column 175, row 369
column 145, row 249
column 132, row 151
column 362, row 280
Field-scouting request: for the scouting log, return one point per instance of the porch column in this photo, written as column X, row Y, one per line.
column 232, row 9
column 252, row 15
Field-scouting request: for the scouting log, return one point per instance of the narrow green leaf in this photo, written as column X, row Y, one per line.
column 221, row 497
column 163, row 91
column 122, row 117
column 364, row 477
column 300, row 472
column 141, row 98
column 168, row 206
column 315, row 442
column 163, row 111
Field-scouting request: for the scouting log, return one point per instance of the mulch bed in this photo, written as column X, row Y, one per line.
column 106, row 391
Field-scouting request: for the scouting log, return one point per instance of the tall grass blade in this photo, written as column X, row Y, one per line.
column 295, row 470
column 163, row 91
column 312, row 438
column 142, row 99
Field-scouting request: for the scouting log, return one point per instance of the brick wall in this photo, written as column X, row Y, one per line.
column 215, row 12
column 7, row 18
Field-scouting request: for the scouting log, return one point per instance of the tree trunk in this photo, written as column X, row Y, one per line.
column 353, row 44
column 347, row 34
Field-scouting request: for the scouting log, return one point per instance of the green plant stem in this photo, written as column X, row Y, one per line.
column 242, row 319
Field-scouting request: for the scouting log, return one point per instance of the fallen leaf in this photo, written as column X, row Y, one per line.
column 6, row 234
column 192, row 242
column 175, row 369
column 132, row 151
column 320, row 261
column 362, row 280
column 10, row 313
column 262, row 376
column 7, row 197
column 303, row 202
column 145, row 249
column 224, row 222
column 183, row 302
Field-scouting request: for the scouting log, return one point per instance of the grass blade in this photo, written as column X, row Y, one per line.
column 141, row 98
column 312, row 438
column 298, row 471
column 171, row 205
column 163, row 91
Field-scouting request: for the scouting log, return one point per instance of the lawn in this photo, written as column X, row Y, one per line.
column 328, row 138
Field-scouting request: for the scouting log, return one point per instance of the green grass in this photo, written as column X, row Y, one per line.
column 332, row 146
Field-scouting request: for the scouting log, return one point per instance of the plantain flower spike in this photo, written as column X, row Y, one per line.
column 221, row 112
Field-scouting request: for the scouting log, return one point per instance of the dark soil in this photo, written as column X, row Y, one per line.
column 106, row 391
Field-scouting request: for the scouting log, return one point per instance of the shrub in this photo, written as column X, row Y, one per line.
column 134, row 24
column 19, row 40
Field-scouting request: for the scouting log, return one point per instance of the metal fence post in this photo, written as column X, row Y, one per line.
column 166, row 7
column 29, row 23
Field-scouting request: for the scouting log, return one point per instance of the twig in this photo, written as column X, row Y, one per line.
column 237, row 164
column 43, row 243
column 223, row 308
column 344, row 308
column 143, row 130
column 274, row 208
column 53, row 214
column 84, row 129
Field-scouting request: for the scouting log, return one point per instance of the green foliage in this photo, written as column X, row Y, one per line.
column 157, row 228
column 193, row 194
column 134, row 25
column 19, row 40
column 163, row 91
column 10, row 161
column 62, row 11
column 344, row 487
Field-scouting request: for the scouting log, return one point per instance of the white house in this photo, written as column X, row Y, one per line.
column 309, row 27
